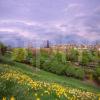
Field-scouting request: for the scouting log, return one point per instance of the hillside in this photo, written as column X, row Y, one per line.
column 24, row 82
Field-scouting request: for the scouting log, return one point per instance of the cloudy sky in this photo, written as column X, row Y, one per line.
column 50, row 19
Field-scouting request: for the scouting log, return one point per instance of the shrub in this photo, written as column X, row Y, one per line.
column 53, row 65
column 85, row 58
column 89, row 73
column 89, row 58
column 33, row 61
column 3, row 49
column 29, row 57
column 19, row 54
column 6, row 60
column 39, row 60
column 72, row 55
column 63, row 69
column 73, row 71
column 57, row 67
column 97, row 74
column 79, row 73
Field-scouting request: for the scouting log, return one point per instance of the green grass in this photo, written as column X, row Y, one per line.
column 41, row 75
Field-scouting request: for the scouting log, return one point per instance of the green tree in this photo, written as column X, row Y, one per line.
column 3, row 48
column 72, row 55
column 19, row 54
column 97, row 74
column 87, row 57
column 90, row 58
column 29, row 57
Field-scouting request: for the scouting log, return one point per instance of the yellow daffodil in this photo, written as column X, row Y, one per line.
column 38, row 99
column 12, row 98
column 4, row 98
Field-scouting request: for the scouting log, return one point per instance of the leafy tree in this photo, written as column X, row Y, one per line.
column 97, row 74
column 19, row 54
column 73, row 71
column 72, row 55
column 90, row 58
column 3, row 49
column 95, row 56
column 87, row 57
column 29, row 57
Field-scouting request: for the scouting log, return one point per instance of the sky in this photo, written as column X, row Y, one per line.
column 52, row 20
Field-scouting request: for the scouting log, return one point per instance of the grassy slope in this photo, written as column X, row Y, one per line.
column 49, row 77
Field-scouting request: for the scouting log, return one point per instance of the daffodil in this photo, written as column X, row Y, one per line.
column 12, row 98
column 4, row 98
column 38, row 98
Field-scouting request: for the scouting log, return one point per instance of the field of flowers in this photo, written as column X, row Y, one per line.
column 16, row 85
